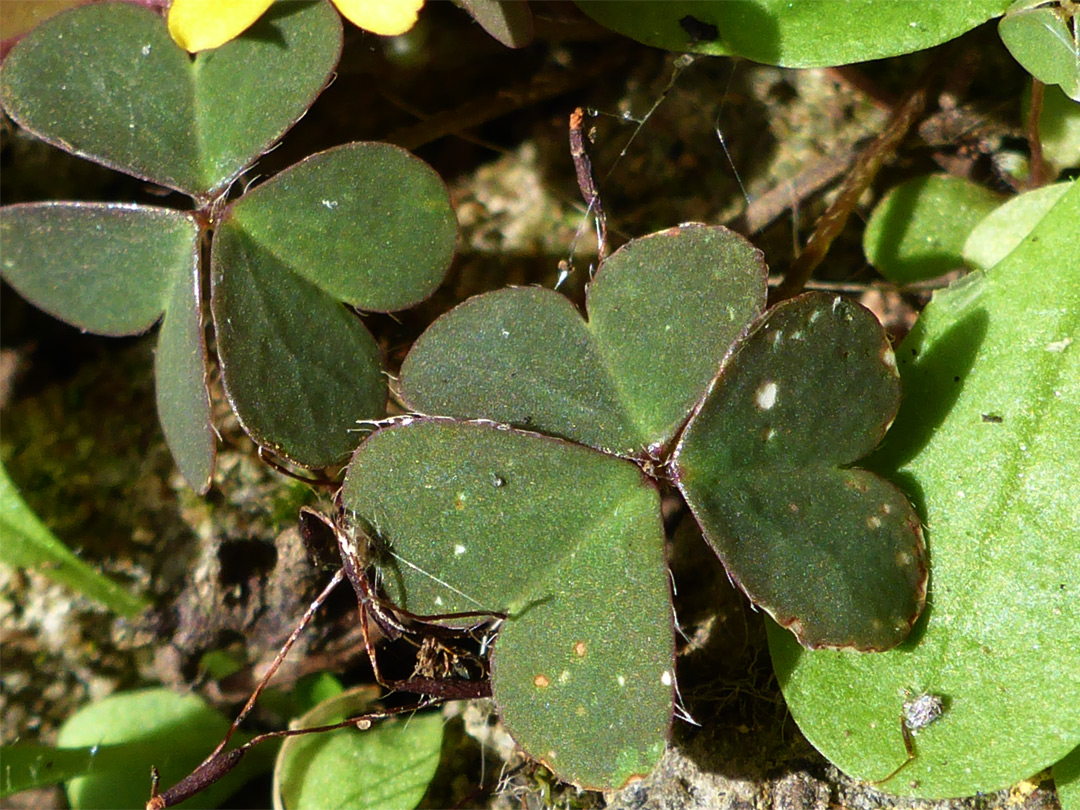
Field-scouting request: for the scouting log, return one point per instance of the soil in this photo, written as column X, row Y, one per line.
column 227, row 572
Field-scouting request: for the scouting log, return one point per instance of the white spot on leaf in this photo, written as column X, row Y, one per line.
column 459, row 550
column 1059, row 345
column 765, row 396
column 621, row 680
column 665, row 678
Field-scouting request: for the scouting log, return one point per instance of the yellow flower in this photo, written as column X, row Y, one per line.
column 199, row 25
column 386, row 17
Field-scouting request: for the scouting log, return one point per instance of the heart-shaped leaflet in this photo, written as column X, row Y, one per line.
column 481, row 517
column 663, row 310
column 106, row 81
column 833, row 553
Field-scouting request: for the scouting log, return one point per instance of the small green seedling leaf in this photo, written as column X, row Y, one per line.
column 663, row 310
column 918, row 230
column 1004, row 229
column 28, row 543
column 1040, row 40
column 153, row 727
column 25, row 767
column 387, row 765
column 105, row 81
column 479, row 517
column 988, row 439
column 833, row 553
column 366, row 224
column 116, row 270
column 1059, row 129
column 793, row 33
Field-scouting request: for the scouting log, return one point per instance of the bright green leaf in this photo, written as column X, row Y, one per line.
column 24, row 767
column 833, row 553
column 1067, row 780
column 157, row 727
column 479, row 517
column 1040, row 40
column 106, row 81
column 28, row 543
column 1004, row 229
column 387, row 765
column 1059, row 128
column 918, row 230
column 794, row 33
column 663, row 310
column 312, row 690
column 987, row 440
column 113, row 270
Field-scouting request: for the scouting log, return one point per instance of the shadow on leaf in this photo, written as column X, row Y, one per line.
column 933, row 376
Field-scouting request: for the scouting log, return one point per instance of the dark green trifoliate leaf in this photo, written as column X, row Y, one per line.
column 114, row 270
column 988, row 439
column 106, row 81
column 183, row 402
column 663, row 310
column 918, row 229
column 368, row 223
column 387, row 765
column 299, row 368
column 569, row 543
column 833, row 553
column 1041, row 41
column 101, row 267
column 793, row 33
column 364, row 223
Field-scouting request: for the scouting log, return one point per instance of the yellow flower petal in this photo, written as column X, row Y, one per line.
column 199, row 25
column 386, row 17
